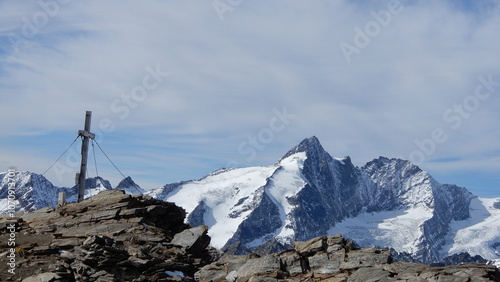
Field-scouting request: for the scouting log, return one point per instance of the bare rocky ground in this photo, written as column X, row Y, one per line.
column 119, row 237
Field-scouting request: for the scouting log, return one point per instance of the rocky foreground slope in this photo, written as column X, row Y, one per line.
column 118, row 237
column 110, row 237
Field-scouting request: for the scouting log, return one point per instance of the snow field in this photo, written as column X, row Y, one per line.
column 221, row 194
column 478, row 233
column 399, row 229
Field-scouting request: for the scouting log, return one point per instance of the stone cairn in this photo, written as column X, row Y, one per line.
column 118, row 237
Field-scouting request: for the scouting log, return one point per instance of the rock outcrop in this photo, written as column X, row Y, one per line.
column 335, row 259
column 110, row 237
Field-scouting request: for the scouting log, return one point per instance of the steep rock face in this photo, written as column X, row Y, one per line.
column 450, row 203
column 319, row 204
column 400, row 182
column 409, row 186
column 261, row 223
column 118, row 237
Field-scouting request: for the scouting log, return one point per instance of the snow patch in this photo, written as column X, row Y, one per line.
column 286, row 183
column 175, row 273
column 341, row 160
column 477, row 234
column 496, row 263
column 399, row 229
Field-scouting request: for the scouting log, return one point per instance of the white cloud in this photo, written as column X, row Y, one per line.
column 228, row 76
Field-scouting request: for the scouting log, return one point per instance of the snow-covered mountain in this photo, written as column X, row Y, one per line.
column 307, row 193
column 129, row 186
column 97, row 184
column 33, row 191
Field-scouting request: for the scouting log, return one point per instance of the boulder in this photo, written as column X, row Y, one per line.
column 312, row 246
column 195, row 240
column 370, row 274
column 365, row 257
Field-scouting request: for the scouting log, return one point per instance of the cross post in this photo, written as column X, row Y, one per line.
column 86, row 134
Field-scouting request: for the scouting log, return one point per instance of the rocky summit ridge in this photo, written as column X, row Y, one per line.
column 114, row 236
column 110, row 237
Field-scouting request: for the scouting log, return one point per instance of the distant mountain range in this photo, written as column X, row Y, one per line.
column 34, row 191
column 308, row 193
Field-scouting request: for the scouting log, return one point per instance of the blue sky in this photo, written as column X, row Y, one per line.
column 179, row 89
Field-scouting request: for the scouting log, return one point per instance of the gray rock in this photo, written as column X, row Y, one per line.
column 365, row 257
column 223, row 267
column 131, row 212
column 265, row 265
column 370, row 274
column 43, row 277
column 292, row 262
column 66, row 243
column 195, row 240
column 138, row 262
column 325, row 263
column 312, row 246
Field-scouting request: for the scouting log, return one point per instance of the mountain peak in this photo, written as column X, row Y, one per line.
column 129, row 186
column 126, row 182
column 95, row 182
column 378, row 163
column 313, row 140
column 309, row 145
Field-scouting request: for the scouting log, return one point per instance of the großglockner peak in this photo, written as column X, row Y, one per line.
column 308, row 193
